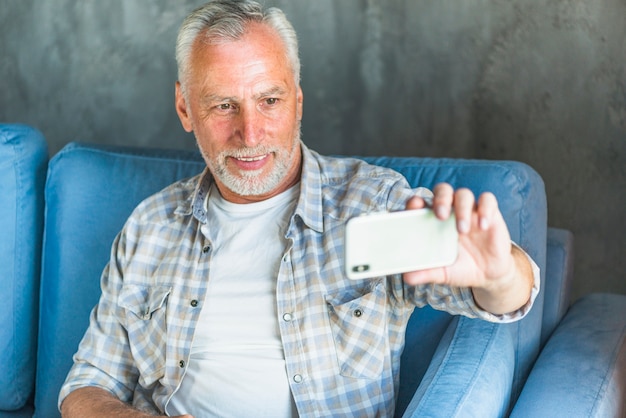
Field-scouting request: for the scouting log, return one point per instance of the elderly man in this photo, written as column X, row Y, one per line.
column 226, row 294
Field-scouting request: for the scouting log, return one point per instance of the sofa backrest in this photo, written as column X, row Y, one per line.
column 92, row 189
column 23, row 162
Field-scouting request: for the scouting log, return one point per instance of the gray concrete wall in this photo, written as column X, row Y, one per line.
column 540, row 81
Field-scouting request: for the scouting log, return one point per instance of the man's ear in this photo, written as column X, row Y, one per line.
column 299, row 103
column 182, row 109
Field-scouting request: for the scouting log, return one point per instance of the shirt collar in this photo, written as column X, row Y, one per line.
column 193, row 204
column 309, row 207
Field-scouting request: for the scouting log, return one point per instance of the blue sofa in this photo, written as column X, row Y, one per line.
column 451, row 367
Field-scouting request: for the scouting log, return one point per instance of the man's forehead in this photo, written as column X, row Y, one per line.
column 234, row 93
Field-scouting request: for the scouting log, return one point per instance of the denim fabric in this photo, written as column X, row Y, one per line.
column 23, row 162
column 581, row 371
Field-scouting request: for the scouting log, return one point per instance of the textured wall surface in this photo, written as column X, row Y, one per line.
column 540, row 81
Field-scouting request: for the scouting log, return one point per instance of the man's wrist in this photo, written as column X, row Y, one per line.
column 509, row 292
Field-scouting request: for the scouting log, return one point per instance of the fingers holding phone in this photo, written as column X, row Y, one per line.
column 484, row 240
column 454, row 239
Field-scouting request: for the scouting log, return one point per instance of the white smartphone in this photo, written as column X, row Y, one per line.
column 397, row 242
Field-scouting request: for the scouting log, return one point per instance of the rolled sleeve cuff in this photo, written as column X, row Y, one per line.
column 82, row 375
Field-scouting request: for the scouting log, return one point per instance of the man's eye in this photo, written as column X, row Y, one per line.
column 271, row 101
column 225, row 106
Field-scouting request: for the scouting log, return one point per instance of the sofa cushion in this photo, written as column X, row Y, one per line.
column 23, row 161
column 581, row 372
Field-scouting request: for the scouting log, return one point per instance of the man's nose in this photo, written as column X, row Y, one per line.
column 251, row 127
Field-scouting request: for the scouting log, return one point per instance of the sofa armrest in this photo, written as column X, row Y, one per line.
column 23, row 162
column 559, row 278
column 581, row 372
column 470, row 375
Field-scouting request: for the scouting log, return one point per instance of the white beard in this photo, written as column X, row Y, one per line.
column 249, row 183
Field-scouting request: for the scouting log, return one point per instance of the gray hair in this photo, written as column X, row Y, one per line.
column 226, row 20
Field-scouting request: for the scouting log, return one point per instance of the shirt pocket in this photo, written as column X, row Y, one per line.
column 145, row 323
column 359, row 329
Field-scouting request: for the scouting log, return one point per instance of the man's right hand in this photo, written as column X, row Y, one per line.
column 93, row 402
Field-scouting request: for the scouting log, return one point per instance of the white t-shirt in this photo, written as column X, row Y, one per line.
column 237, row 364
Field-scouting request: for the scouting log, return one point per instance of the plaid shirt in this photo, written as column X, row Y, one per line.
column 342, row 339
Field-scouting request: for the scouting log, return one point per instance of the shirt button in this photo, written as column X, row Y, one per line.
column 181, row 364
column 206, row 249
column 287, row 317
column 194, row 303
column 358, row 313
column 298, row 378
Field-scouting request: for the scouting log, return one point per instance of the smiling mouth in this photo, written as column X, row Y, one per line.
column 251, row 159
column 250, row 162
